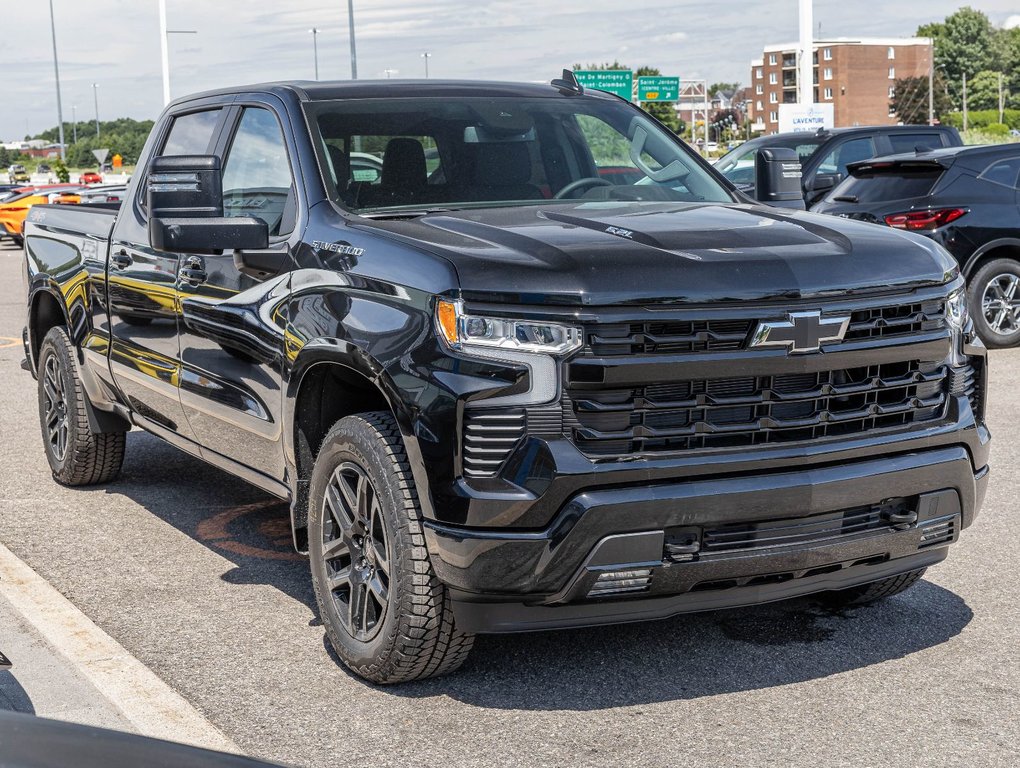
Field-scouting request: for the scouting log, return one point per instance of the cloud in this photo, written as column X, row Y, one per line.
column 1011, row 22
column 672, row 37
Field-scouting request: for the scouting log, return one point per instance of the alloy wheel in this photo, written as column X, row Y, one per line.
column 55, row 406
column 355, row 551
column 1000, row 304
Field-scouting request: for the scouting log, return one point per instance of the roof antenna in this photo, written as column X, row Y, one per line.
column 568, row 83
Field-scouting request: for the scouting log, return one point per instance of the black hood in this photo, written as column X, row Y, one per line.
column 604, row 253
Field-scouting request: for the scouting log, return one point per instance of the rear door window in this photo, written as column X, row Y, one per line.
column 848, row 152
column 1004, row 172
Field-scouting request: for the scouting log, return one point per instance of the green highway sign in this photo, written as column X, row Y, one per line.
column 658, row 88
column 618, row 81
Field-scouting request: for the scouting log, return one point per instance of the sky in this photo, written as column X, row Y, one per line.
column 115, row 43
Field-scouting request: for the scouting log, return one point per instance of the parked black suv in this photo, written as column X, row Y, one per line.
column 964, row 198
column 502, row 391
column 825, row 154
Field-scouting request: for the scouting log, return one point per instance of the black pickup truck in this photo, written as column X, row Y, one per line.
column 501, row 391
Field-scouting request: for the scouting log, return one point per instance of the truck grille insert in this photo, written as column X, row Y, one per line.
column 489, row 438
column 754, row 410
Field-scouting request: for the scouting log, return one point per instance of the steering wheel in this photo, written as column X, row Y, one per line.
column 589, row 181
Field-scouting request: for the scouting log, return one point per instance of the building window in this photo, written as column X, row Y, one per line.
column 760, row 105
column 773, row 98
column 891, row 53
column 892, row 91
column 773, row 117
column 828, row 73
column 759, row 89
column 892, row 73
column 827, row 54
column 757, row 73
column 828, row 93
column 772, row 59
column 773, row 78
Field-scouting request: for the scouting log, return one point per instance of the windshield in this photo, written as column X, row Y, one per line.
column 466, row 152
column 738, row 165
column 881, row 185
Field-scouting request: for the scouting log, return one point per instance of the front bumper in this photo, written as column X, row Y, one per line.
column 506, row 581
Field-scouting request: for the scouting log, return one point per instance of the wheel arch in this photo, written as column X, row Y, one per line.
column 46, row 311
column 1003, row 247
column 329, row 380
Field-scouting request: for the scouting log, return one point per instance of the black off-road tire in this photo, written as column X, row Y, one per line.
column 870, row 593
column 18, row 240
column 88, row 457
column 1003, row 270
column 414, row 635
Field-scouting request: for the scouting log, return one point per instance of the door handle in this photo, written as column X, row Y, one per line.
column 121, row 260
column 193, row 270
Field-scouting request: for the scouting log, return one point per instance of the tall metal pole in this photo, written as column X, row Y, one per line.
column 56, row 76
column 931, row 81
column 74, row 122
column 354, row 50
column 164, row 50
column 806, row 65
column 1001, row 105
column 964, row 101
column 426, row 56
column 95, row 98
column 315, row 48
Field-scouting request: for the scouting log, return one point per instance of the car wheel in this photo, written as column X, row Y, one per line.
column 869, row 593
column 77, row 455
column 387, row 615
column 18, row 240
column 994, row 299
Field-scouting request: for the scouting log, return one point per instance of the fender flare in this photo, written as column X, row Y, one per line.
column 984, row 250
column 336, row 352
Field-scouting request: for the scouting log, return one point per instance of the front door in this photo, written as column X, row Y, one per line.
column 232, row 317
column 142, row 294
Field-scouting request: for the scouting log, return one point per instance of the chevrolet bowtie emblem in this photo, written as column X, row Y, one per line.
column 800, row 332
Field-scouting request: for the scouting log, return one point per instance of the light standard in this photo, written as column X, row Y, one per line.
column 56, row 75
column 74, row 122
column 389, row 72
column 426, row 56
column 314, row 32
column 354, row 50
column 95, row 99
column 164, row 47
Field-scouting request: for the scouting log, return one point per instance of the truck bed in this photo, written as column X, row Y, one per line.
column 92, row 221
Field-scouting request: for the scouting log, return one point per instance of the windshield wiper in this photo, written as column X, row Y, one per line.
column 404, row 214
column 845, row 198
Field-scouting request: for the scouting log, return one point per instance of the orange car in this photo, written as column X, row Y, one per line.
column 14, row 210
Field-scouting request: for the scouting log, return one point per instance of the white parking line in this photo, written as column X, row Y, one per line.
column 151, row 706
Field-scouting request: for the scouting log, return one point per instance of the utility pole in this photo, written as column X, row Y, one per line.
column 164, row 48
column 931, row 81
column 74, row 122
column 95, row 98
column 354, row 50
column 426, row 56
column 1001, row 105
column 806, row 64
column 314, row 32
column 56, row 75
column 964, row 101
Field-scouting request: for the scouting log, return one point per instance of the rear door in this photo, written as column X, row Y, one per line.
column 232, row 317
column 142, row 289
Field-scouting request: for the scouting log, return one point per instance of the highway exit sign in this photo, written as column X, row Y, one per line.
column 658, row 88
column 618, row 81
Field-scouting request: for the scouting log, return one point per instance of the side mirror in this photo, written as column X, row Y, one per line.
column 823, row 182
column 777, row 176
column 184, row 195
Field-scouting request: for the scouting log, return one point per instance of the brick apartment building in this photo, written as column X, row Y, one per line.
column 856, row 76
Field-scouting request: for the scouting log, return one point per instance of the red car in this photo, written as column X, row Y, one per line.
column 90, row 178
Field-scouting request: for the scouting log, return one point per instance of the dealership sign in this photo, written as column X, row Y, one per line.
column 805, row 117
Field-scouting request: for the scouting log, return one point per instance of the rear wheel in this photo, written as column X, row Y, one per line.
column 994, row 298
column 77, row 455
column 387, row 615
column 876, row 590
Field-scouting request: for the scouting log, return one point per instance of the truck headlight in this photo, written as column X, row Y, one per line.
column 532, row 343
column 463, row 330
column 956, row 310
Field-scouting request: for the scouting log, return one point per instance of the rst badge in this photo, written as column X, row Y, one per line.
column 800, row 332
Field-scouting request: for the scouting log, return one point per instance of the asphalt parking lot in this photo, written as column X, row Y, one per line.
column 191, row 571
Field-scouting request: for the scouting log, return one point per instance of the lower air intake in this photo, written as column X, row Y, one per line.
column 621, row 582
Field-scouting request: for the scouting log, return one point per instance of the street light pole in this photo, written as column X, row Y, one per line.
column 931, row 81
column 74, row 122
column 354, row 50
column 314, row 32
column 95, row 99
column 56, row 75
column 164, row 48
column 426, row 56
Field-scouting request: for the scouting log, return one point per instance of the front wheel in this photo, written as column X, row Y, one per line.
column 387, row 615
column 870, row 593
column 77, row 455
column 994, row 299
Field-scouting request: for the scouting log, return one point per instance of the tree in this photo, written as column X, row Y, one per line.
column 910, row 99
column 965, row 43
column 983, row 90
column 60, row 171
column 5, row 157
column 715, row 88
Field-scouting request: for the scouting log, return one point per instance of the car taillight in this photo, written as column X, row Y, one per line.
column 924, row 220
